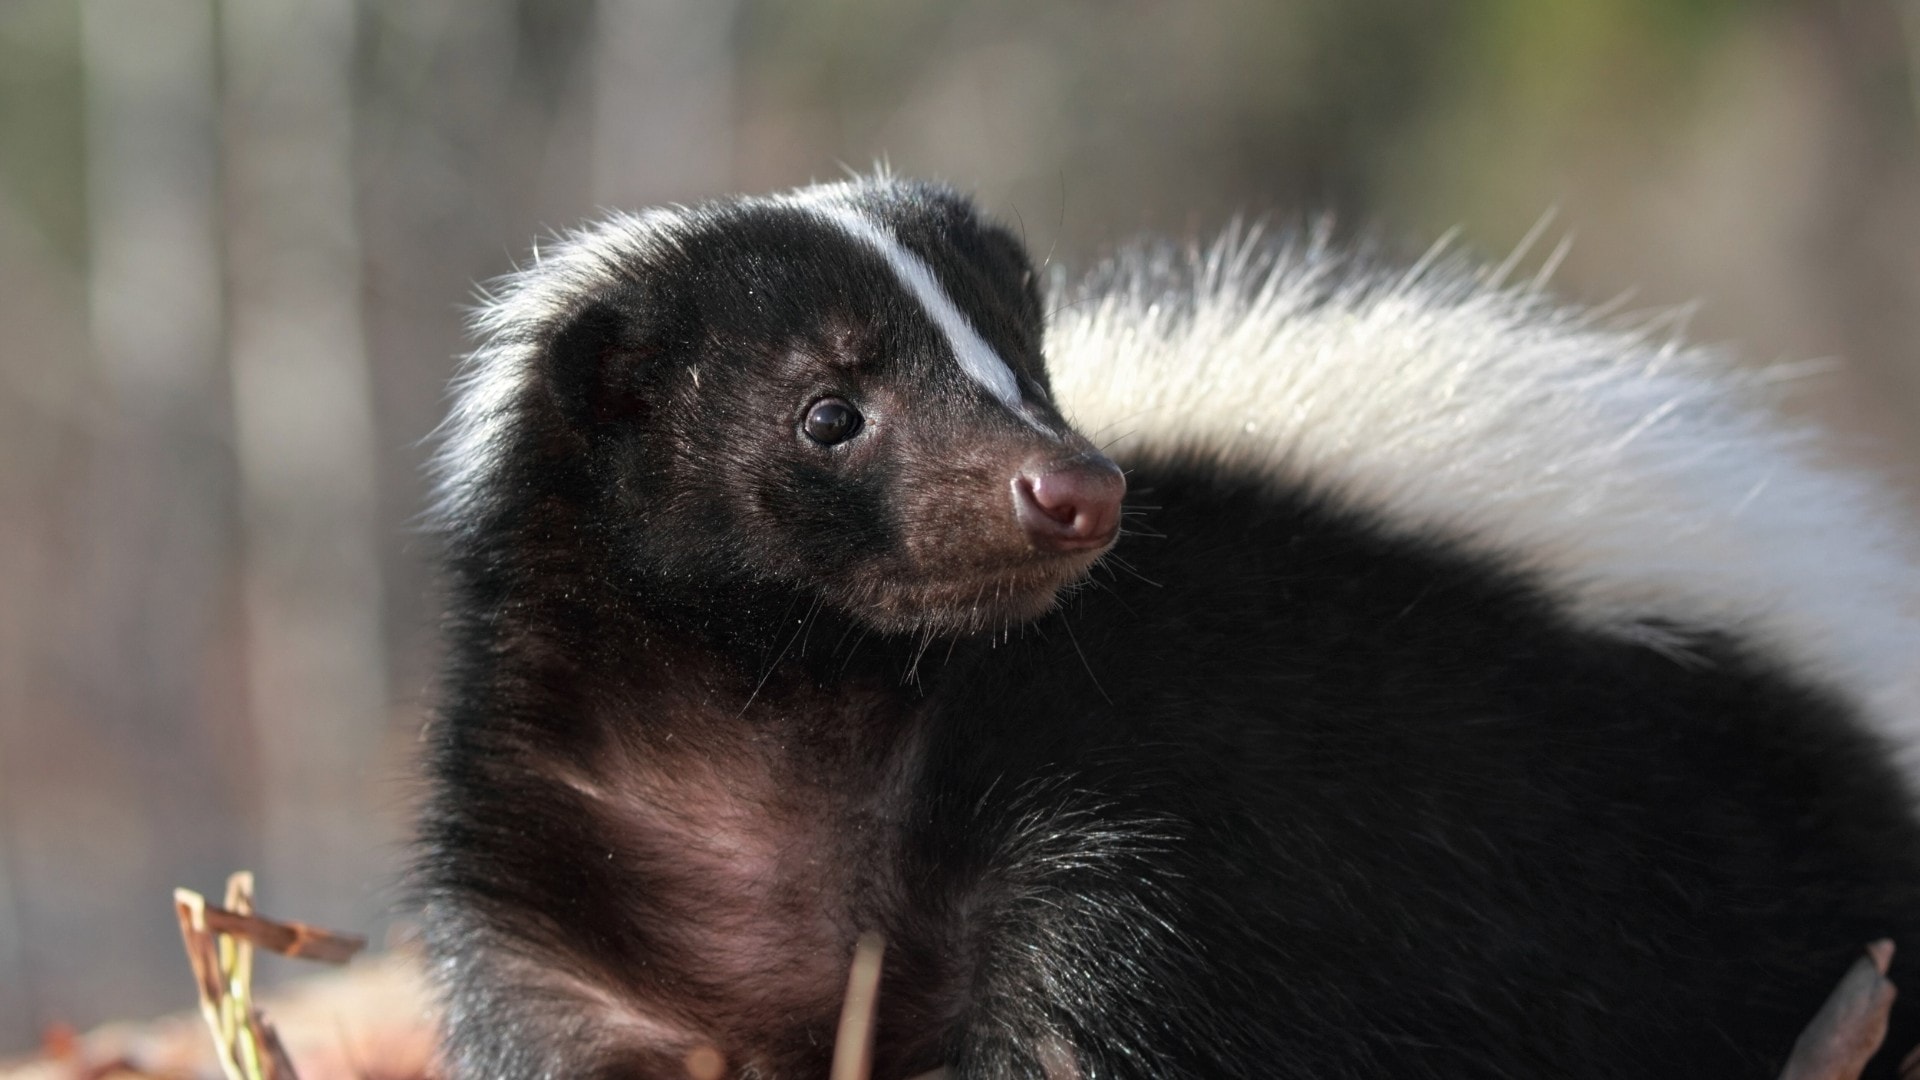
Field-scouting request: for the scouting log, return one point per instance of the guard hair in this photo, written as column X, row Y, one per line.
column 1651, row 487
column 518, row 314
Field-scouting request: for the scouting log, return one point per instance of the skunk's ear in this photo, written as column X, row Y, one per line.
column 601, row 361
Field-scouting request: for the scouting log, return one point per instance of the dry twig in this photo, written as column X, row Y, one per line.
column 220, row 943
column 853, row 1046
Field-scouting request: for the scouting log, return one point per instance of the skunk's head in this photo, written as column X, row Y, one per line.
column 839, row 391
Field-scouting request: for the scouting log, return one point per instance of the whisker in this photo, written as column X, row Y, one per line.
column 1131, row 570
column 1074, row 639
column 813, row 616
column 848, row 659
column 768, row 674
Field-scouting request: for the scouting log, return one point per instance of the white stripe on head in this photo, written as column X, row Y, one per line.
column 976, row 357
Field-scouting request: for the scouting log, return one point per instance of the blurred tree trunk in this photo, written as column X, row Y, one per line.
column 1864, row 270
column 116, row 744
column 304, row 427
column 662, row 102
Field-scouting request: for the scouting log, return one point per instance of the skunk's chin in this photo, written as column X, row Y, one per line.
column 963, row 605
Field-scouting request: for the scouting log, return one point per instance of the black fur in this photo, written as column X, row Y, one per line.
column 1294, row 794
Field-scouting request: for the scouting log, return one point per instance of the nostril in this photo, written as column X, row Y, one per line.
column 1053, row 496
column 1071, row 505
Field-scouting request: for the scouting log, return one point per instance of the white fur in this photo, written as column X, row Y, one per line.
column 516, row 314
column 976, row 357
column 1637, row 478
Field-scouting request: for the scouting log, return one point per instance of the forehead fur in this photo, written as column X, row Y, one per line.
column 524, row 310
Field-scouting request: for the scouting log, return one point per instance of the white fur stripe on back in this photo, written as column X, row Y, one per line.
column 975, row 356
column 1642, row 483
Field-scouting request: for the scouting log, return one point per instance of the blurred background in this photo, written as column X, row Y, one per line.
column 237, row 238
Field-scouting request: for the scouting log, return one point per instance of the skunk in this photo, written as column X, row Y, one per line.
column 1266, row 665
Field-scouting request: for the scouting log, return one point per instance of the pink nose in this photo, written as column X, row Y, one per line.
column 1071, row 505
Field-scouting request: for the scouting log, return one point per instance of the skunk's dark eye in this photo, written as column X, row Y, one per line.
column 831, row 421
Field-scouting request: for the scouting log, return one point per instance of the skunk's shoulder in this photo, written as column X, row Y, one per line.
column 1643, row 483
